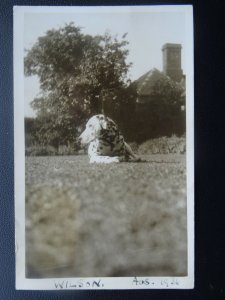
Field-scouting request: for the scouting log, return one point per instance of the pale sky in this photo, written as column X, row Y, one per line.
column 148, row 30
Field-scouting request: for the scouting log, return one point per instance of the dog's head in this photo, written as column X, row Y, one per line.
column 94, row 128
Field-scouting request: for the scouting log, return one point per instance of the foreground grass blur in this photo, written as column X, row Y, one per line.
column 125, row 219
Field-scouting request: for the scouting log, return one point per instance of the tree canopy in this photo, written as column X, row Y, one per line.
column 81, row 75
column 77, row 73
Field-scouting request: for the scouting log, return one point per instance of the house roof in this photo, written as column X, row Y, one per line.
column 146, row 82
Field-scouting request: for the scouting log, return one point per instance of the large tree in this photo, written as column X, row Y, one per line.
column 77, row 73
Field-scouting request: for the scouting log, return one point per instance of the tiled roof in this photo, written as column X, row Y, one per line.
column 147, row 81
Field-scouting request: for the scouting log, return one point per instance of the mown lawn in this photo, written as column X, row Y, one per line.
column 126, row 219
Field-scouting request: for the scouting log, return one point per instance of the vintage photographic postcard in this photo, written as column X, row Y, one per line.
column 104, row 147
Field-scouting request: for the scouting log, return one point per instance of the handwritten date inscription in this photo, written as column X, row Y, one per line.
column 133, row 283
column 162, row 283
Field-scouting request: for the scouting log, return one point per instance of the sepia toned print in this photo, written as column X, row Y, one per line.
column 104, row 172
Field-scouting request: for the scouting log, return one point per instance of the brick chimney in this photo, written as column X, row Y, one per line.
column 172, row 61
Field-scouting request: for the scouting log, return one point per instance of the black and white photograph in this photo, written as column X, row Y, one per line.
column 104, row 147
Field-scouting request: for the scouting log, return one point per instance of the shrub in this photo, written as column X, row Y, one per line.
column 164, row 145
column 38, row 150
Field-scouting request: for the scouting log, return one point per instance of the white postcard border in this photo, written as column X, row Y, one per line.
column 19, row 157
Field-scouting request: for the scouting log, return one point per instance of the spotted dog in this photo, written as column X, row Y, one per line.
column 106, row 144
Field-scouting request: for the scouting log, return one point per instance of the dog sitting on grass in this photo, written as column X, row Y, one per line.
column 106, row 144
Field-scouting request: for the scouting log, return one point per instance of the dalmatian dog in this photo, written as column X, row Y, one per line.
column 106, row 144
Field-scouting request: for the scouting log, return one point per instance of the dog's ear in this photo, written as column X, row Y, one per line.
column 103, row 122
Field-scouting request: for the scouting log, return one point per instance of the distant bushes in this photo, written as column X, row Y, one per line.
column 162, row 145
column 37, row 150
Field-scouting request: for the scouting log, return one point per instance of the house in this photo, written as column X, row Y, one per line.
column 147, row 83
column 160, row 101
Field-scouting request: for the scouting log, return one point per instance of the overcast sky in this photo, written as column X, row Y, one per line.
column 148, row 30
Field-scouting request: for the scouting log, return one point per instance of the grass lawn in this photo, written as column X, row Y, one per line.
column 88, row 220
